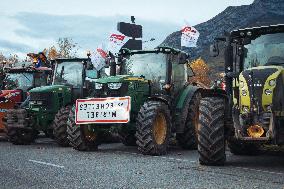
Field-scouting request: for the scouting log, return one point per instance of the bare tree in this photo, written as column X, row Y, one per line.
column 67, row 48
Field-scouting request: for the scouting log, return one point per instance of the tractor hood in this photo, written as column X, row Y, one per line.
column 119, row 79
column 51, row 88
column 258, row 86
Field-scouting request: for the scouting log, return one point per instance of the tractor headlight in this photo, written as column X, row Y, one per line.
column 272, row 82
column 98, row 86
column 244, row 92
column 268, row 92
column 114, row 85
column 242, row 84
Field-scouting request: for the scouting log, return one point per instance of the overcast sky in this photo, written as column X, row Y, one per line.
column 31, row 25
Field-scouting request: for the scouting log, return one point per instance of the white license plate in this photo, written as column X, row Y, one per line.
column 103, row 110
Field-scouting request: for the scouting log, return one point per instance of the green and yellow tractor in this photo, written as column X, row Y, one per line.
column 250, row 112
column 48, row 106
column 147, row 100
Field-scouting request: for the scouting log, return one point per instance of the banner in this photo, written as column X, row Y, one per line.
column 189, row 36
column 116, row 41
column 103, row 110
column 99, row 58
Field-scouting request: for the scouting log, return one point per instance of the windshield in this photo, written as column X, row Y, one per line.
column 22, row 81
column 69, row 73
column 265, row 50
column 152, row 66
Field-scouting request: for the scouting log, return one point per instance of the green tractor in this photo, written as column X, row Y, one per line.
column 147, row 100
column 49, row 106
column 250, row 112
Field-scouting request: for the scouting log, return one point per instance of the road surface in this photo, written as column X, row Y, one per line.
column 46, row 165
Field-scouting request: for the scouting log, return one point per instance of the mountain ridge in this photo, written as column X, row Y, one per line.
column 260, row 12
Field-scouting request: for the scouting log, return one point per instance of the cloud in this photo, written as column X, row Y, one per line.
column 38, row 31
column 14, row 46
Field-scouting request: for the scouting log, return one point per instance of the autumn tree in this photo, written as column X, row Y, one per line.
column 201, row 72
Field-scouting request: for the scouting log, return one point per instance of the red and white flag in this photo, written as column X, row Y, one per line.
column 189, row 36
column 99, row 58
column 116, row 41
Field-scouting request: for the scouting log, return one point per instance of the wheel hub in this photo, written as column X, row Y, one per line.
column 160, row 129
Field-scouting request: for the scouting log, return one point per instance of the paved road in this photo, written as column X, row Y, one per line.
column 45, row 165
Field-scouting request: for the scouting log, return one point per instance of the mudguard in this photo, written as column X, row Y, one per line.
column 182, row 107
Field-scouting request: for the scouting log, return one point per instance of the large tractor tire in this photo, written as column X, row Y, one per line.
column 239, row 148
column 211, row 136
column 79, row 137
column 188, row 139
column 153, row 128
column 59, row 126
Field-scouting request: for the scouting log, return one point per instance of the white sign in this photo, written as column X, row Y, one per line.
column 189, row 36
column 99, row 58
column 103, row 110
column 116, row 41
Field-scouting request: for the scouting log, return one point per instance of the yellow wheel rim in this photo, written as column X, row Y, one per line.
column 160, row 129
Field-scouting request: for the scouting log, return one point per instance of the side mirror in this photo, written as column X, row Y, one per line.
column 182, row 58
column 214, row 50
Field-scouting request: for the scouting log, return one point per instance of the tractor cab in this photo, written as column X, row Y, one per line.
column 75, row 74
column 163, row 69
column 23, row 79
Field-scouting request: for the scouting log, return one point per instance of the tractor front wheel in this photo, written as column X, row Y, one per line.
column 80, row 138
column 211, row 137
column 60, row 126
column 153, row 128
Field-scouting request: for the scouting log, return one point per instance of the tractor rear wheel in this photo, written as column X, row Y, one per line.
column 239, row 148
column 211, row 137
column 188, row 139
column 59, row 126
column 153, row 128
column 78, row 135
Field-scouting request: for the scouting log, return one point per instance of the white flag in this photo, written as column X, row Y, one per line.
column 189, row 36
column 116, row 41
column 99, row 58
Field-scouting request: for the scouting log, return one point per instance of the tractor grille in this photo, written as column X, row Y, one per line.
column 106, row 92
column 256, row 84
column 44, row 97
